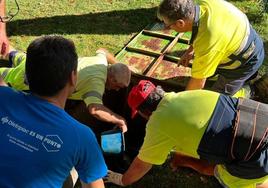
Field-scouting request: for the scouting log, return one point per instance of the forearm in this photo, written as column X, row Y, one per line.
column 103, row 113
column 187, row 57
column 136, row 171
column 111, row 59
column 195, row 83
column 190, row 50
column 4, row 43
column 109, row 56
column 201, row 166
column 2, row 13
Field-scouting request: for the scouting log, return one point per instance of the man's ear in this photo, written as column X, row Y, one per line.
column 180, row 23
column 112, row 79
column 73, row 78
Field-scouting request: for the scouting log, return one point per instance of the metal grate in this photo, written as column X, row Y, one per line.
column 154, row 53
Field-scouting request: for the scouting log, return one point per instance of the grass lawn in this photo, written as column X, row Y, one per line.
column 111, row 24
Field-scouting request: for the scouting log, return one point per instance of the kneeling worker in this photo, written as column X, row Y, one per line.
column 210, row 132
column 94, row 75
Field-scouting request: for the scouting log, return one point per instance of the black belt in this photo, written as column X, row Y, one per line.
column 250, row 133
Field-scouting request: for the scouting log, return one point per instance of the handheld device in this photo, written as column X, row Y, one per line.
column 112, row 142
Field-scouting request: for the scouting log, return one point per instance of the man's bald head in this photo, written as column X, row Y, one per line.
column 118, row 76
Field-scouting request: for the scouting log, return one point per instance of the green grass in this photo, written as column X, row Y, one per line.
column 111, row 24
column 91, row 24
column 163, row 177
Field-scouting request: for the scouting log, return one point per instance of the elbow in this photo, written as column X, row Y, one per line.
column 92, row 109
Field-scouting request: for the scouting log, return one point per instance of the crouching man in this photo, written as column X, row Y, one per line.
column 210, row 132
column 40, row 142
column 94, row 76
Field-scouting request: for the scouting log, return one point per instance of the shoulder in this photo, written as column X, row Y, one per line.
column 81, row 131
column 189, row 95
column 9, row 92
column 93, row 60
column 94, row 66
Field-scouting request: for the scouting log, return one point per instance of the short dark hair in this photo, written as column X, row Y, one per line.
column 176, row 9
column 50, row 61
column 152, row 101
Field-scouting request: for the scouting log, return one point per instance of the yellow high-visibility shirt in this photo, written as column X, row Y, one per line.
column 222, row 28
column 178, row 123
column 92, row 75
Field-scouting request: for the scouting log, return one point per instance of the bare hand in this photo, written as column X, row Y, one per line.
column 186, row 57
column 121, row 123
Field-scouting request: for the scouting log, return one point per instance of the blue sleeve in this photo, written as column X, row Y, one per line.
column 91, row 165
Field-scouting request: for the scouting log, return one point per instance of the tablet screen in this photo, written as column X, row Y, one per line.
column 112, row 142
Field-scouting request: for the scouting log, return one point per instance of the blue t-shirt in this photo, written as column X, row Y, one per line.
column 40, row 143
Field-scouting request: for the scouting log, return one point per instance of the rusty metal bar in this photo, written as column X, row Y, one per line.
column 155, row 34
column 185, row 41
column 145, row 52
column 152, row 68
column 172, row 58
column 151, row 53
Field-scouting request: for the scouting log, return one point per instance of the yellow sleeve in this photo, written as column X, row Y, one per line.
column 156, row 146
column 92, row 75
column 95, row 93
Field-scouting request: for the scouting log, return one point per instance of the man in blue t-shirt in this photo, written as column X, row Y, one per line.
column 40, row 143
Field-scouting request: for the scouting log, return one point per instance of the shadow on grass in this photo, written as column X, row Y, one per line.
column 114, row 22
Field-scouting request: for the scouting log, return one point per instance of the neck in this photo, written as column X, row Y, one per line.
column 58, row 100
column 189, row 25
column 55, row 100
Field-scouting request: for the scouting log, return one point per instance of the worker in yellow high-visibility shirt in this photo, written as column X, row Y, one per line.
column 223, row 42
